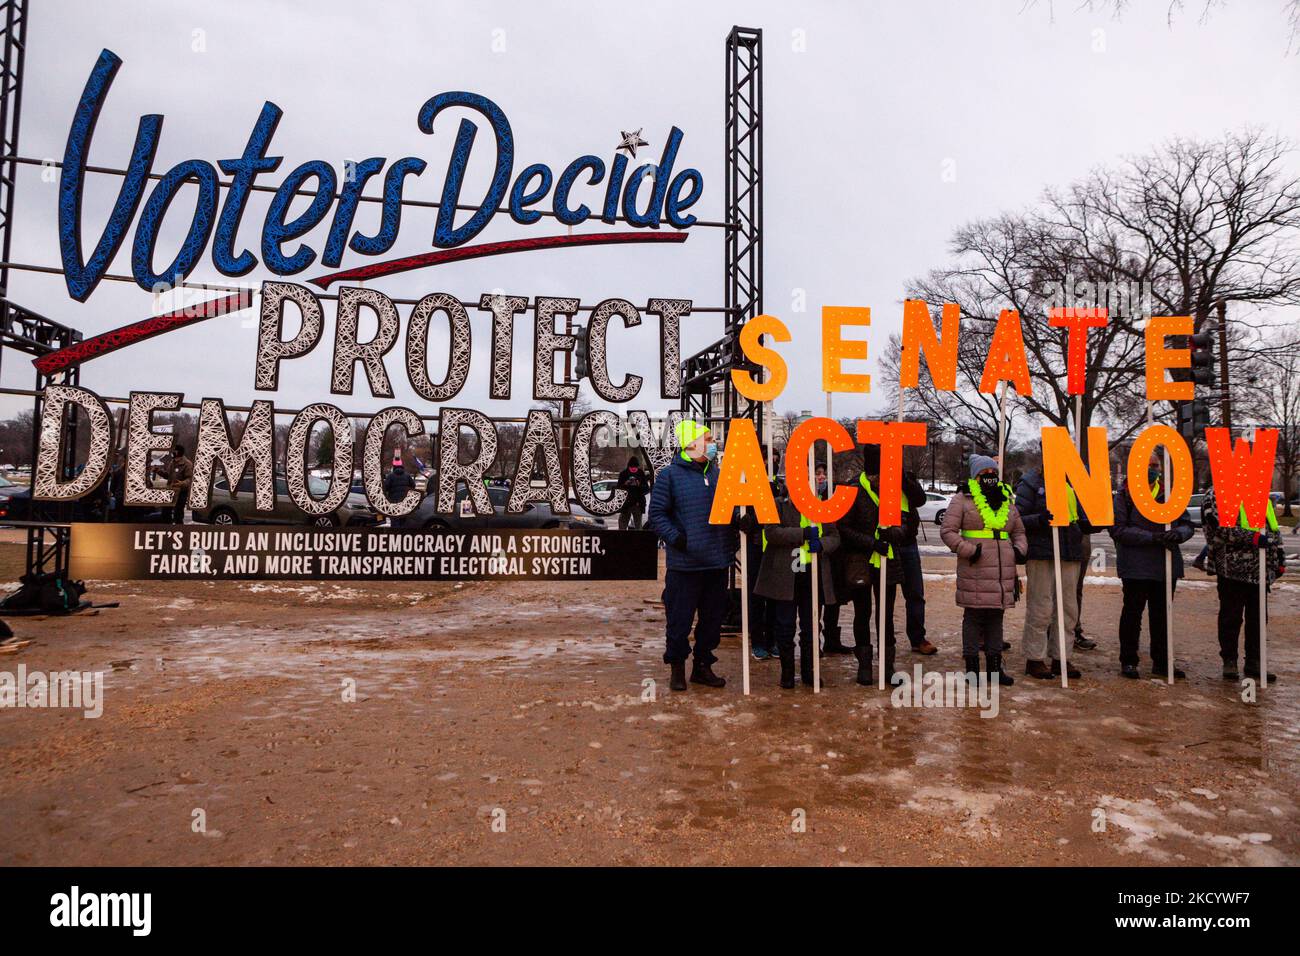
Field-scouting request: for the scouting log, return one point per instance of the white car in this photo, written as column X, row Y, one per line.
column 934, row 507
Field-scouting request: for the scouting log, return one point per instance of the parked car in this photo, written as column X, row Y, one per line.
column 226, row 508
column 535, row 515
column 936, row 505
column 1194, row 510
column 17, row 506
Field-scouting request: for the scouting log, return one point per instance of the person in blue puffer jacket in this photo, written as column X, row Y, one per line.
column 699, row 555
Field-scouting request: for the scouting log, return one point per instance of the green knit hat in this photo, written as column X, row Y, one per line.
column 687, row 431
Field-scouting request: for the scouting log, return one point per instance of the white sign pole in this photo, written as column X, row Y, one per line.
column 884, row 576
column 744, row 613
column 1263, row 615
column 816, row 579
column 1060, row 607
column 1002, row 427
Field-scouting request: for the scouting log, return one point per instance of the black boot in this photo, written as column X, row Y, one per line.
column 972, row 663
column 995, row 667
column 703, row 674
column 787, row 668
column 832, row 643
column 678, row 680
column 863, row 654
column 806, row 666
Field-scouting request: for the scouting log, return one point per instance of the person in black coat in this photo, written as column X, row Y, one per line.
column 396, row 486
column 1140, row 549
column 636, row 481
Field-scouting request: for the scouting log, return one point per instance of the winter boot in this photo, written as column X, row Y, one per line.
column 806, row 666
column 787, row 668
column 863, row 654
column 1038, row 669
column 1071, row 671
column 995, row 667
column 972, row 663
column 678, row 680
column 832, row 643
column 703, row 674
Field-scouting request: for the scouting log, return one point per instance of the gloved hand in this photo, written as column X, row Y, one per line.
column 812, row 533
column 979, row 550
column 679, row 542
column 814, row 543
column 881, row 547
column 893, row 535
column 1170, row 539
column 747, row 522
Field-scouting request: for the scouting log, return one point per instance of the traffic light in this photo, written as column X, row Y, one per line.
column 581, row 369
column 1200, row 416
column 1202, row 344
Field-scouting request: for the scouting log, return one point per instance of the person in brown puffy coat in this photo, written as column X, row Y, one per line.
column 984, row 529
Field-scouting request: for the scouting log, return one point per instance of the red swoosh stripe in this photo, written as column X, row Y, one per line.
column 376, row 269
column 107, row 342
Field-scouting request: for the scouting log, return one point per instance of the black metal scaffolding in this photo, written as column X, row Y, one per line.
column 707, row 392
column 22, row 329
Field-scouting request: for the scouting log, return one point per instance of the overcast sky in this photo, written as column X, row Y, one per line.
column 866, row 105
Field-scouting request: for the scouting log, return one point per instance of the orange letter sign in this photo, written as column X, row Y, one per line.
column 919, row 336
column 1077, row 322
column 743, row 480
column 1242, row 474
column 1160, row 358
column 891, row 437
column 796, row 470
column 761, row 355
column 1180, row 466
column 1006, row 359
column 835, row 349
column 1061, row 463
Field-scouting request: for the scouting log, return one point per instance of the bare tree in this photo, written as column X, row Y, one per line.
column 1173, row 232
column 1272, row 399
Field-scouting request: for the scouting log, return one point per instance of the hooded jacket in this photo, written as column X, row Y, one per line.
column 680, row 502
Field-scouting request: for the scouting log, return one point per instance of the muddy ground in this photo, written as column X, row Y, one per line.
column 226, row 739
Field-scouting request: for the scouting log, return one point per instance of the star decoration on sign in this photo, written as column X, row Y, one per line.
column 631, row 141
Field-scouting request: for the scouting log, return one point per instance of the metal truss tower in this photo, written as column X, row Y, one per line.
column 707, row 392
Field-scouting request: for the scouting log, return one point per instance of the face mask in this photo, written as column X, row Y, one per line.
column 711, row 450
column 1152, row 475
column 988, row 482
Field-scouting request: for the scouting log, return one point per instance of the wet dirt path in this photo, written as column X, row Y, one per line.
column 513, row 723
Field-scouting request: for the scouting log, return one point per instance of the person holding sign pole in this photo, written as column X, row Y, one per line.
column 864, row 541
column 1040, row 610
column 785, row 580
column 1234, row 556
column 699, row 555
column 983, row 528
column 1140, row 548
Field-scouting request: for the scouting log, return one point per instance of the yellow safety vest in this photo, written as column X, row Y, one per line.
column 875, row 555
column 1270, row 519
column 805, row 553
